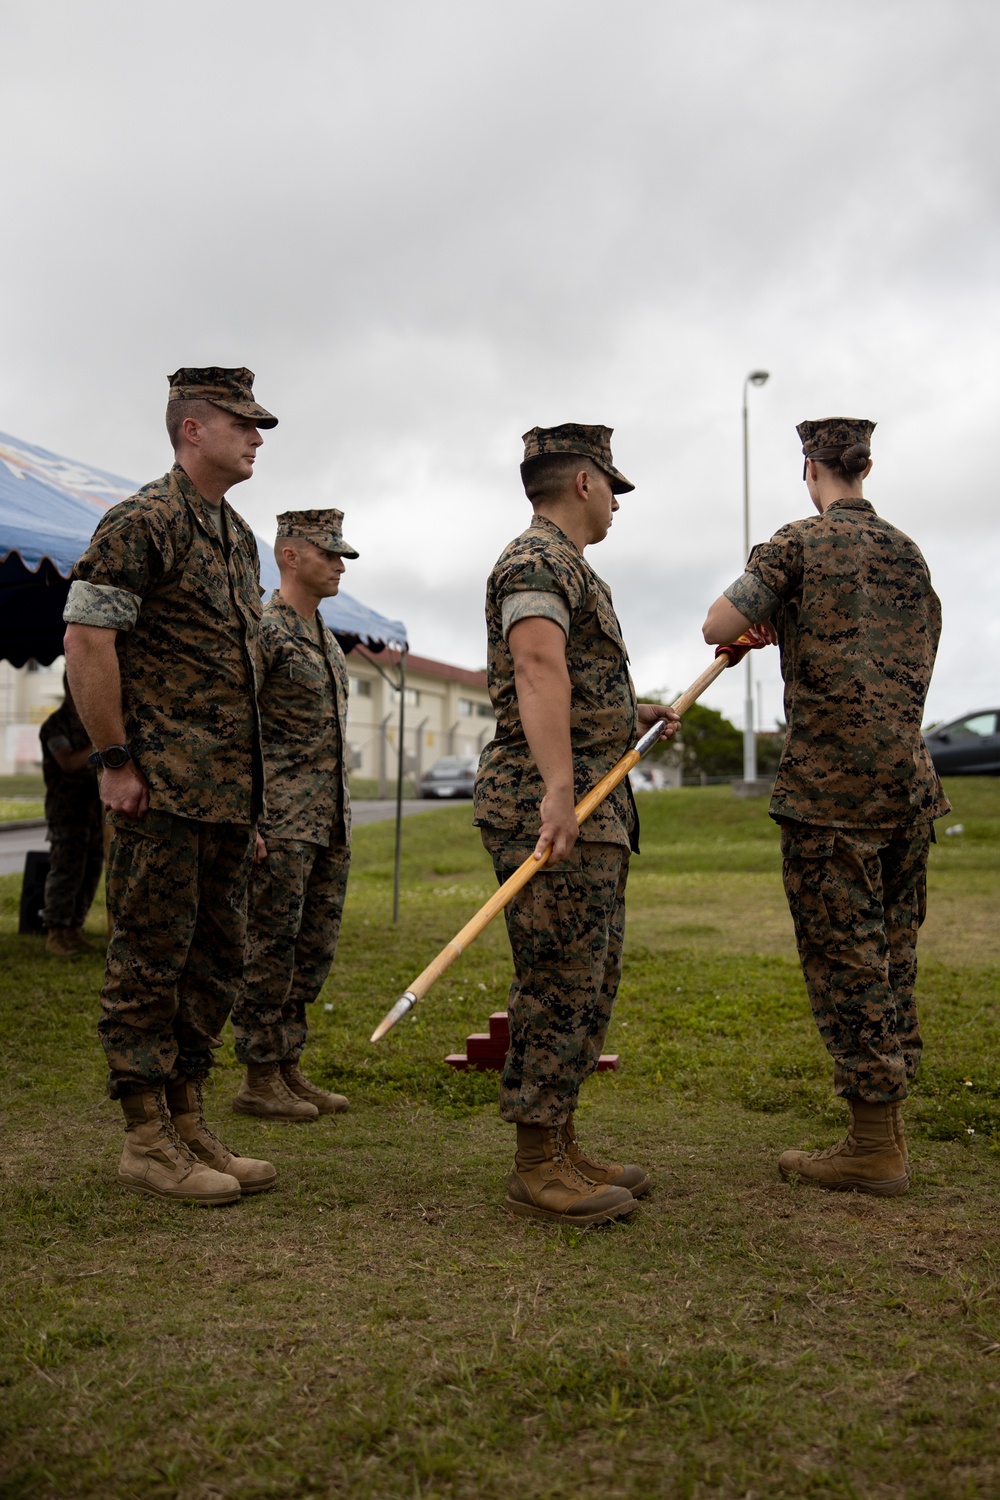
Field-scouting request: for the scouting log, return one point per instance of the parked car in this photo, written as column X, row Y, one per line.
column 452, row 776
column 967, row 747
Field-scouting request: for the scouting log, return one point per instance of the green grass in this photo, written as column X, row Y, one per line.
column 378, row 1327
column 21, row 797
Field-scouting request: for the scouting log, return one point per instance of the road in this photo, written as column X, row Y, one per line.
column 15, row 842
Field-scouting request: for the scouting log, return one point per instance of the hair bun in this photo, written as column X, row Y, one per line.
column 854, row 458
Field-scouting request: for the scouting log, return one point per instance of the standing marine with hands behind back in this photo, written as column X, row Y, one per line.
column 566, row 713
column 849, row 601
column 299, row 880
column 162, row 623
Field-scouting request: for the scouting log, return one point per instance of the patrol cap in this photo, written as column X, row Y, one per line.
column 324, row 528
column 230, row 389
column 572, row 437
column 843, row 440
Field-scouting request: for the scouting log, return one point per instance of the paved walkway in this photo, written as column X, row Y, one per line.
column 15, row 842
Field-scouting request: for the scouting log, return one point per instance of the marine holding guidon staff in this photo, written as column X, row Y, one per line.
column 850, row 604
column 566, row 713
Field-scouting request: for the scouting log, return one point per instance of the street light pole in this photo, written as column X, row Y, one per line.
column 756, row 377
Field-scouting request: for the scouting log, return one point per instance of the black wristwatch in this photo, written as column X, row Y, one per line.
column 112, row 758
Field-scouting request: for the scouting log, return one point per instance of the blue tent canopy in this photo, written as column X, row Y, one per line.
column 49, row 507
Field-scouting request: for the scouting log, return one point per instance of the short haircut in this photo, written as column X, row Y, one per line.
column 281, row 543
column 178, row 411
column 546, row 476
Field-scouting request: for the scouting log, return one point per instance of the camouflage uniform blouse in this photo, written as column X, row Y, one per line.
column 303, row 714
column 858, row 626
column 545, row 564
column 186, row 605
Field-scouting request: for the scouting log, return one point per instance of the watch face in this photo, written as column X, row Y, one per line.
column 114, row 757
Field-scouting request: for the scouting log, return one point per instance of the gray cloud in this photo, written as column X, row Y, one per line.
column 429, row 227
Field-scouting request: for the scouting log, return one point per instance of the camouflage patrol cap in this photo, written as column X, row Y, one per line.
column 230, row 389
column 324, row 528
column 834, row 439
column 572, row 437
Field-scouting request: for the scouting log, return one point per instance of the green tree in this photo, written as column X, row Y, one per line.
column 711, row 745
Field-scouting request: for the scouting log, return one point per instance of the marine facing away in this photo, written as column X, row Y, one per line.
column 848, row 599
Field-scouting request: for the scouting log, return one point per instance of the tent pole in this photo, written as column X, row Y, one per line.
column 401, row 760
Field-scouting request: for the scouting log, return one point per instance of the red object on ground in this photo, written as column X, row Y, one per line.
column 486, row 1051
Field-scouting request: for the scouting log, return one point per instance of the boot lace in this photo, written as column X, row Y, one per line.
column 571, row 1172
column 204, row 1129
column 167, row 1126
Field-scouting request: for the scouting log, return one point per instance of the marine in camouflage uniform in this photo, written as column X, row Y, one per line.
column 172, row 575
column 566, row 926
column 298, row 885
column 857, row 622
column 76, row 830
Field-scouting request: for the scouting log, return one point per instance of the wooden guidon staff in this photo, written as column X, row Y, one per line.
column 725, row 656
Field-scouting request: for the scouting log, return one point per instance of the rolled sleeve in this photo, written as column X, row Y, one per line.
column 534, row 604
column 100, row 604
column 754, row 600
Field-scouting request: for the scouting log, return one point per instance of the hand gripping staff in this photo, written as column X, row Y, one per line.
column 725, row 656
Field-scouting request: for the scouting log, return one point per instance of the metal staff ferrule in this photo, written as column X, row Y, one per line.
column 402, row 1007
column 650, row 738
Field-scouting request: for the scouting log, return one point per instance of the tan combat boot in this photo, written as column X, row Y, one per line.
column 185, row 1101
column 77, row 938
column 545, row 1184
column 59, row 943
column 868, row 1159
column 155, row 1159
column 897, row 1130
column 265, row 1093
column 610, row 1174
column 304, row 1088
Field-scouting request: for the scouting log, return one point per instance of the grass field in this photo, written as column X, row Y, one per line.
column 378, row 1327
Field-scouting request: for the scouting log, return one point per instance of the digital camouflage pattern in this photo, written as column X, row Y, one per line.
column 829, row 435
column 324, row 528
column 177, row 895
column 574, row 437
column 858, row 625
column 857, row 898
column 187, row 661
column 230, row 389
column 303, row 688
column 296, row 903
column 75, row 821
column 603, row 718
column 566, row 929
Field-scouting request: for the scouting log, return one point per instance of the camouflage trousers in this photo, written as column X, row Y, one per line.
column 296, row 903
column 76, row 859
column 857, row 898
column 177, row 890
column 566, row 929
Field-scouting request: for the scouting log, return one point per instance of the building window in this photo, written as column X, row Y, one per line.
column 411, row 697
column 484, row 711
column 361, row 687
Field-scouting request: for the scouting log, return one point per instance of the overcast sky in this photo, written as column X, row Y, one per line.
column 428, row 225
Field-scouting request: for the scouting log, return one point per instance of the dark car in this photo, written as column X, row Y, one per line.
column 967, row 747
column 452, row 776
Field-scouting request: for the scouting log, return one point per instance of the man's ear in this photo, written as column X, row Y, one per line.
column 582, row 484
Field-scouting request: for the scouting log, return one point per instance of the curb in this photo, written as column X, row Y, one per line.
column 22, row 823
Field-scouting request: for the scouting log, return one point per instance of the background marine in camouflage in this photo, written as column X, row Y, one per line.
column 162, row 621
column 75, row 821
column 849, row 602
column 566, row 712
column 299, row 880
